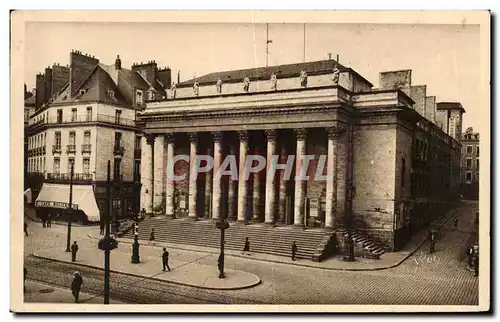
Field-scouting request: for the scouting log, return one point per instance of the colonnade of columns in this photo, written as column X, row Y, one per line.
column 158, row 182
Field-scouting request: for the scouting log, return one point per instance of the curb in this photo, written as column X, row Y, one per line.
column 154, row 278
column 389, row 266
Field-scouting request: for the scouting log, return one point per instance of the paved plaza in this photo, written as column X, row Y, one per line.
column 420, row 278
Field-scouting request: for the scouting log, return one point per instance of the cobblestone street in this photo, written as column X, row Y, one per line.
column 438, row 278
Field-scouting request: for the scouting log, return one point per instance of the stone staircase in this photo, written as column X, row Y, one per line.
column 311, row 243
column 362, row 245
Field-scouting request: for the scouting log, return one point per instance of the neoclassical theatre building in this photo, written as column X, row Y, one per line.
column 391, row 154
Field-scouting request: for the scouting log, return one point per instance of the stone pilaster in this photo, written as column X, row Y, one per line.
column 270, row 205
column 242, row 182
column 147, row 173
column 282, row 186
column 217, row 182
column 193, row 188
column 169, row 183
column 159, row 185
column 300, row 185
column 334, row 133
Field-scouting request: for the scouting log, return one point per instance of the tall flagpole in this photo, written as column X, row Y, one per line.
column 267, row 44
column 304, row 42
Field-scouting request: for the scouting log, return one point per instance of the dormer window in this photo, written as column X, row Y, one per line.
column 151, row 95
column 82, row 91
column 138, row 97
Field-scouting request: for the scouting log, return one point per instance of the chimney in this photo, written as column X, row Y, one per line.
column 118, row 63
column 417, row 94
column 48, row 84
column 40, row 91
column 148, row 70
column 165, row 77
column 80, row 67
column 400, row 79
column 60, row 76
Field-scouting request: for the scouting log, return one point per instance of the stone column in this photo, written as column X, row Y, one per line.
column 299, row 204
column 242, row 183
column 217, row 187
column 147, row 173
column 169, row 183
column 282, row 186
column 208, row 190
column 256, row 193
column 270, row 206
column 334, row 134
column 159, row 150
column 193, row 189
column 231, row 193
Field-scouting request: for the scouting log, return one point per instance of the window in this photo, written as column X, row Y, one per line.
column 57, row 139
column 468, row 177
column 71, row 162
column 469, row 149
column 477, row 163
column 72, row 136
column 118, row 139
column 86, row 165
column 111, row 94
column 403, row 172
column 82, row 91
column 73, row 115
column 118, row 115
column 116, row 169
column 59, row 116
column 86, row 137
column 89, row 113
column 151, row 95
column 137, row 143
column 138, row 97
column 137, row 170
column 468, row 163
column 477, row 150
column 57, row 165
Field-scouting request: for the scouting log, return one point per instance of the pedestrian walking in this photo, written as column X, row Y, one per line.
column 246, row 248
column 470, row 256
column 164, row 258
column 294, row 250
column 76, row 285
column 74, row 250
column 102, row 226
column 476, row 264
column 26, row 228
column 24, row 279
column 44, row 222
column 432, row 242
column 49, row 220
column 152, row 236
column 455, row 223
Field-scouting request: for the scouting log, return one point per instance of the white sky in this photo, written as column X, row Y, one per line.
column 443, row 57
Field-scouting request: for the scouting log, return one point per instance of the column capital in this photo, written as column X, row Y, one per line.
column 150, row 139
column 169, row 137
column 217, row 136
column 301, row 133
column 193, row 136
column 270, row 134
column 335, row 132
column 243, row 135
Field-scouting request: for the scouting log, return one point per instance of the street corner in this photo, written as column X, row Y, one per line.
column 189, row 273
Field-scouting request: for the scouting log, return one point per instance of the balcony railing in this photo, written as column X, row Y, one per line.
column 66, row 177
column 109, row 119
column 70, row 148
column 118, row 150
column 56, row 149
column 86, row 148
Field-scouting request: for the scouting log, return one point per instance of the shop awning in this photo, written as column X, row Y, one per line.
column 57, row 196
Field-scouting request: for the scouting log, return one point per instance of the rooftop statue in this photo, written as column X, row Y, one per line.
column 335, row 75
column 274, row 81
column 219, row 85
column 303, row 78
column 196, row 88
column 246, row 84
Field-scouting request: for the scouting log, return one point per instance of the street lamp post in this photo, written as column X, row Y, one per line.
column 70, row 209
column 135, row 245
column 222, row 225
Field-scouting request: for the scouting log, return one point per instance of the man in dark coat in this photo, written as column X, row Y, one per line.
column 49, row 220
column 26, row 228
column 164, row 258
column 24, row 280
column 152, row 236
column 102, row 225
column 294, row 250
column 76, row 285
column 74, row 249
column 470, row 256
column 246, row 248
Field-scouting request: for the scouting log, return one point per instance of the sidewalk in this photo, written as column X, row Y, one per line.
column 386, row 261
column 187, row 268
column 43, row 293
